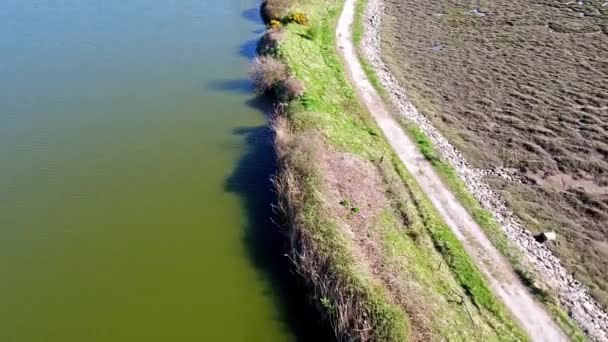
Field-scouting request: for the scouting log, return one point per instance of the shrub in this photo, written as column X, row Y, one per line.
column 290, row 89
column 275, row 25
column 298, row 18
column 273, row 9
column 270, row 41
column 267, row 72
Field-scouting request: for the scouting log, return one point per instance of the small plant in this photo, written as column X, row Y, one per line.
column 345, row 203
column 298, row 18
column 275, row 25
column 267, row 72
column 326, row 303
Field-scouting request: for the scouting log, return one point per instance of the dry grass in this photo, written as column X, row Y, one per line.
column 523, row 86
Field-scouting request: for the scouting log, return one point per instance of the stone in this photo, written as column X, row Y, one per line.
column 546, row 236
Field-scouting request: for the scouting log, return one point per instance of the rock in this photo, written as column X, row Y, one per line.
column 546, row 236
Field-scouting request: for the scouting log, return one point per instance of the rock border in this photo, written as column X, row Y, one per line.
column 574, row 296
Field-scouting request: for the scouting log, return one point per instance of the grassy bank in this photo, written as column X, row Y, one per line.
column 482, row 216
column 379, row 263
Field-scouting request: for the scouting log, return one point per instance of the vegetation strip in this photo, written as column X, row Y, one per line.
column 406, row 295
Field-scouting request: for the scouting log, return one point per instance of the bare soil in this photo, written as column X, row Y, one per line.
column 522, row 86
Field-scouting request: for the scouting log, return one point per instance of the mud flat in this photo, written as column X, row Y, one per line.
column 468, row 87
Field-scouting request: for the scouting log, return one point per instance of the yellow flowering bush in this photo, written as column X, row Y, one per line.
column 275, row 25
column 298, row 18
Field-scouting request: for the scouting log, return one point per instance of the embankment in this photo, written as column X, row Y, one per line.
column 377, row 260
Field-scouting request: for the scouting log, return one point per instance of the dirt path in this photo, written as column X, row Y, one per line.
column 503, row 281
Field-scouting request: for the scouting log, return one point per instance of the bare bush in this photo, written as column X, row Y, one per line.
column 274, row 9
column 270, row 41
column 291, row 88
column 267, row 72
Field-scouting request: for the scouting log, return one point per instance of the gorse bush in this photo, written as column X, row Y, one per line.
column 298, row 18
column 267, row 72
column 274, row 9
column 275, row 25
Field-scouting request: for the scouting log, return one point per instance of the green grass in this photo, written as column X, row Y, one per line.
column 330, row 107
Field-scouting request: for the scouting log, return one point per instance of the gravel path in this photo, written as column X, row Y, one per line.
column 503, row 281
column 572, row 294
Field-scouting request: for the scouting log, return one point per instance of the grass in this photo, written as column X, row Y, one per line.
column 330, row 109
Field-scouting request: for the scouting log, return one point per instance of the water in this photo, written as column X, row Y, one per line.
column 133, row 159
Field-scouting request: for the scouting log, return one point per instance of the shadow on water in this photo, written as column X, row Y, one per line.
column 251, row 180
column 248, row 49
column 252, row 14
column 237, row 85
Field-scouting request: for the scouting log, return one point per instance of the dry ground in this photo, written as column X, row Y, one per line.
column 521, row 85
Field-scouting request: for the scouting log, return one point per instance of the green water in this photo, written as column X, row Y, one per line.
column 133, row 167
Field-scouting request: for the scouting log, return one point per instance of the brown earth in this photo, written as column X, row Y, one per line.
column 524, row 86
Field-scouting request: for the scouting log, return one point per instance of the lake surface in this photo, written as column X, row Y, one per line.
column 134, row 160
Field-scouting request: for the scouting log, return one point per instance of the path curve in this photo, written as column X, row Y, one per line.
column 533, row 318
